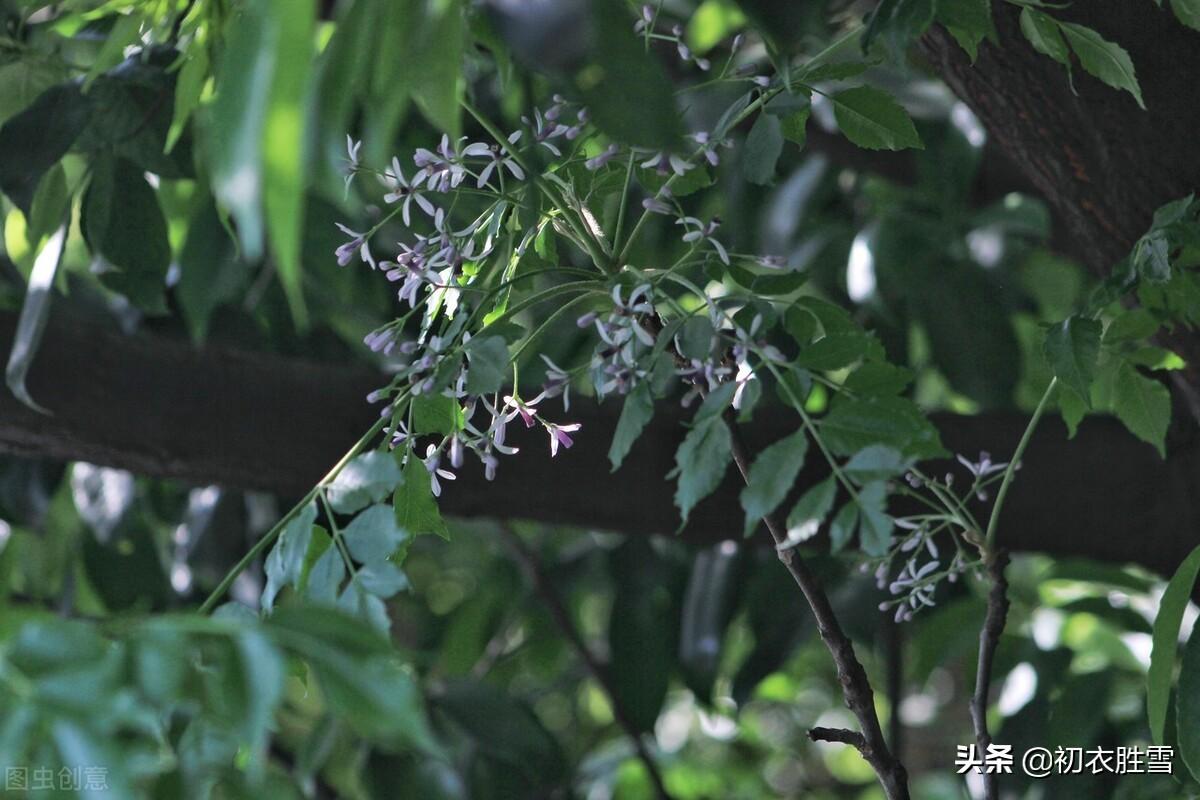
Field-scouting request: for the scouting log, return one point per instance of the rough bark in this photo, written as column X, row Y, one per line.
column 255, row 421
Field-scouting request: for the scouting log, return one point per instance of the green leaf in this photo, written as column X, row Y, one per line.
column 284, row 145
column 35, row 311
column 701, row 462
column 123, row 33
column 763, row 147
column 437, row 58
column 875, row 463
column 810, row 511
column 695, row 338
column 436, row 413
column 968, row 21
column 261, row 681
column 841, row 530
column 373, row 535
column 872, row 119
column 487, row 359
column 1130, row 326
column 1105, row 60
column 243, row 95
column 875, row 530
column 1043, row 33
column 368, row 478
column 189, row 86
column 1152, row 257
column 835, row 350
column 1143, row 405
column 323, row 582
column 899, row 22
column 416, row 509
column 879, row 378
column 1187, row 12
column 1166, row 643
column 1073, row 411
column 34, row 140
column 122, row 221
column 1072, row 348
column 286, row 562
column 794, row 126
column 893, row 421
column 1187, row 704
column 637, row 411
column 772, row 476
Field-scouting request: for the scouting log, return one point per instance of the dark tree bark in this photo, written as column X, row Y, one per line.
column 254, row 421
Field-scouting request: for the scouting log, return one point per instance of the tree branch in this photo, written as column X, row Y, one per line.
column 989, row 639
column 856, row 686
column 165, row 409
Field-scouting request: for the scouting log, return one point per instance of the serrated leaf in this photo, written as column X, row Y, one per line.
column 285, row 563
column 771, row 477
column 436, row 413
column 764, row 145
column 810, row 511
column 1166, row 643
column 701, row 462
column 872, row 119
column 1041, row 30
column 368, row 478
column 637, row 411
column 893, row 421
column 875, row 463
column 374, row 535
column 416, row 509
column 968, row 21
column 794, row 126
column 841, row 530
column 1072, row 348
column 835, row 350
column 1187, row 12
column 1105, row 60
column 1143, row 405
column 487, row 359
column 875, row 528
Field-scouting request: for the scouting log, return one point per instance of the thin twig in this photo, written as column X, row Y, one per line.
column 562, row 618
column 840, row 735
column 856, row 687
column 989, row 638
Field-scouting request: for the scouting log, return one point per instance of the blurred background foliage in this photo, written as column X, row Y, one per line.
column 197, row 150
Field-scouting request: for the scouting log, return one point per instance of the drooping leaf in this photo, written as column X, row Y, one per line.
column 1187, row 704
column 708, row 606
column 896, row 422
column 487, row 359
column 416, row 509
column 637, row 411
column 368, row 478
column 285, row 563
column 1105, row 60
column 968, row 21
column 875, row 528
column 872, row 119
column 284, row 145
column 189, row 87
column 763, row 147
column 772, row 476
column 373, row 535
column 898, row 23
column 34, row 140
column 875, row 463
column 1166, row 643
column 701, row 462
column 35, row 311
column 841, row 530
column 438, row 54
column 1187, row 12
column 1072, row 349
column 810, row 511
column 642, row 629
column 1143, row 405
column 123, row 222
column 1043, row 33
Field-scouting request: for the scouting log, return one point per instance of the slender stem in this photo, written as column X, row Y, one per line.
column 620, row 226
column 856, row 686
column 562, row 618
column 994, row 519
column 262, row 544
column 989, row 639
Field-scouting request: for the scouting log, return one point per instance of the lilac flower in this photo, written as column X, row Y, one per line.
column 597, row 161
column 493, row 152
column 557, row 382
column 697, row 231
column 761, row 80
column 685, row 55
column 543, row 132
column 663, row 159
column 559, row 435
column 582, row 117
column 526, row 409
column 399, row 434
column 983, row 467
column 358, row 244
column 352, row 163
column 381, row 341
column 646, row 21
column 771, row 262
column 403, row 190
column 709, row 145
column 432, row 461
column 656, row 206
column 443, row 170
